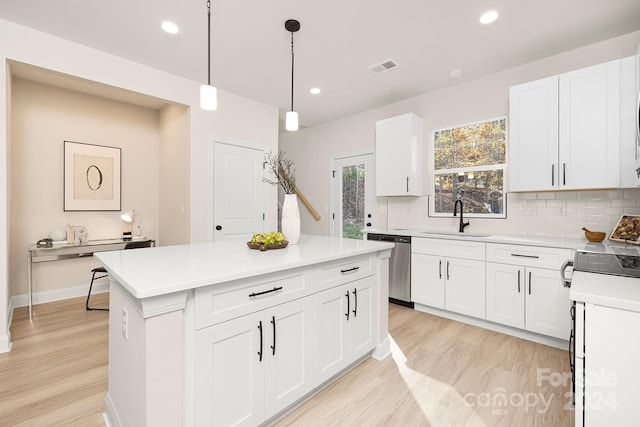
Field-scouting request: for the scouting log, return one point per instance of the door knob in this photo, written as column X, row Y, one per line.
column 368, row 215
column 368, row 224
column 218, row 227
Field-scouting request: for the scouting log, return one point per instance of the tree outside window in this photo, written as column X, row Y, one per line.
column 469, row 163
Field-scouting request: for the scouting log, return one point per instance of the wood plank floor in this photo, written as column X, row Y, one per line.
column 443, row 373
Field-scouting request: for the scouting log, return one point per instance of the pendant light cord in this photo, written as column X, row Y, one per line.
column 291, row 71
column 209, row 42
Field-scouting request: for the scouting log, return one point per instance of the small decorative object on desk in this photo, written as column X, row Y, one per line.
column 627, row 229
column 77, row 234
column 265, row 241
column 44, row 243
column 594, row 236
column 285, row 175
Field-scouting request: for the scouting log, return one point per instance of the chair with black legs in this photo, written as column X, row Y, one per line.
column 103, row 272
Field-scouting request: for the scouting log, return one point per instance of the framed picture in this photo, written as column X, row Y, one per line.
column 91, row 177
column 627, row 229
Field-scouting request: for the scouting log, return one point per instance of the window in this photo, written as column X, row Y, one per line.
column 469, row 163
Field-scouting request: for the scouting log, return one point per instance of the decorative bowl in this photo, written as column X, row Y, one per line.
column 267, row 247
column 594, row 236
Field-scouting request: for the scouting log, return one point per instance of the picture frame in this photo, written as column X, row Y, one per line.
column 92, row 177
column 627, row 229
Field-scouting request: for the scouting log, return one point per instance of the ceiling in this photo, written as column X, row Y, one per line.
column 337, row 43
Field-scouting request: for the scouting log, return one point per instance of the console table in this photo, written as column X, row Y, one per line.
column 67, row 251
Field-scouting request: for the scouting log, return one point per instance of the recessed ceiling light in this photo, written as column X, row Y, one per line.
column 170, row 27
column 315, row 90
column 488, row 17
column 455, row 74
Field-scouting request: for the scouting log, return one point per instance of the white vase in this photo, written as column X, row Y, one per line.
column 291, row 219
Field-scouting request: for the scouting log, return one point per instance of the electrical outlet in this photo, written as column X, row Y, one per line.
column 125, row 324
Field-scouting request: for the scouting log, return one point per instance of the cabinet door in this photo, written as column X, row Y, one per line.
column 611, row 373
column 465, row 286
column 590, row 127
column 288, row 354
column 547, row 309
column 505, row 294
column 361, row 320
column 330, row 332
column 427, row 280
column 533, row 135
column 229, row 387
column 399, row 156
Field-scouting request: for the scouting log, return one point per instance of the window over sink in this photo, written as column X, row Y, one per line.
column 469, row 163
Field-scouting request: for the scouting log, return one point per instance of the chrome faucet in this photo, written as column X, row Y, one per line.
column 455, row 213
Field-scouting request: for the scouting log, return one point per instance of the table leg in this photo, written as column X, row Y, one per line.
column 29, row 279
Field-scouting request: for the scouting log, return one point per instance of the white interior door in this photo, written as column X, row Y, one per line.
column 353, row 195
column 238, row 192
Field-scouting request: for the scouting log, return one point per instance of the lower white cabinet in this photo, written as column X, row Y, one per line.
column 343, row 326
column 261, row 363
column 447, row 282
column 524, row 289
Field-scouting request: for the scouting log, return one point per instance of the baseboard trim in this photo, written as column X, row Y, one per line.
column 515, row 332
column 59, row 294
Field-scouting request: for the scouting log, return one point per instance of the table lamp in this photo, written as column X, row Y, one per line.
column 135, row 219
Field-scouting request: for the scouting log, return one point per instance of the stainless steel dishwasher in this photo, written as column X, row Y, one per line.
column 399, row 268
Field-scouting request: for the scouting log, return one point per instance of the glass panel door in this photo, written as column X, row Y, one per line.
column 353, row 196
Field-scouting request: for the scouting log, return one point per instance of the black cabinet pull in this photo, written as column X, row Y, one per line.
column 260, row 352
column 447, row 270
column 526, row 256
column 440, row 269
column 407, row 184
column 348, row 307
column 553, row 174
column 349, row 269
column 255, row 294
column 273, row 347
column 355, row 297
column 218, row 227
column 518, row 280
column 529, row 283
column 564, row 174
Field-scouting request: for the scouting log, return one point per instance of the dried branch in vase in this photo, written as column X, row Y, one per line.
column 282, row 168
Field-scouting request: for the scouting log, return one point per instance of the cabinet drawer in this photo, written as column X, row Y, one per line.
column 528, row 256
column 346, row 270
column 448, row 248
column 218, row 303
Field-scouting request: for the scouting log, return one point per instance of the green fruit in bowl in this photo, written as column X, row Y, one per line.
column 270, row 238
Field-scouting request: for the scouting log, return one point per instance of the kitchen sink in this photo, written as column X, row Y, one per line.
column 440, row 233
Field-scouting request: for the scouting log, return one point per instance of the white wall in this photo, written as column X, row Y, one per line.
column 466, row 102
column 21, row 44
column 43, row 117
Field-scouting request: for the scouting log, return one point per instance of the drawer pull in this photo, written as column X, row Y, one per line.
column 260, row 352
column 350, row 269
column 273, row 347
column 355, row 297
column 255, row 294
column 526, row 256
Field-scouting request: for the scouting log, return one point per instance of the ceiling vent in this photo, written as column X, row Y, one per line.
column 383, row 66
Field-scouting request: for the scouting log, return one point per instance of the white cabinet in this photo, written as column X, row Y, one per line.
column 399, row 156
column 261, row 363
column 343, row 326
column 564, row 131
column 427, row 280
column 442, row 280
column 610, row 374
column 524, row 289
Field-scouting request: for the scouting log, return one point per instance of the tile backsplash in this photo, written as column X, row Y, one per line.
column 552, row 214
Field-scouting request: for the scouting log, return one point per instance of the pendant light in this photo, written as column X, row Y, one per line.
column 291, row 122
column 208, row 93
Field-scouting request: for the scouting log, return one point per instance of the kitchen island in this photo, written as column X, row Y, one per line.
column 219, row 334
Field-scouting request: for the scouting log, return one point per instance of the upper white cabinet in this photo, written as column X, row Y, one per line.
column 565, row 131
column 399, row 156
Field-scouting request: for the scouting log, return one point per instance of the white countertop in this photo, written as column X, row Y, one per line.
column 162, row 270
column 602, row 289
column 551, row 242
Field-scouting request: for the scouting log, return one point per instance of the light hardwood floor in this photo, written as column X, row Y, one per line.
column 443, row 373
